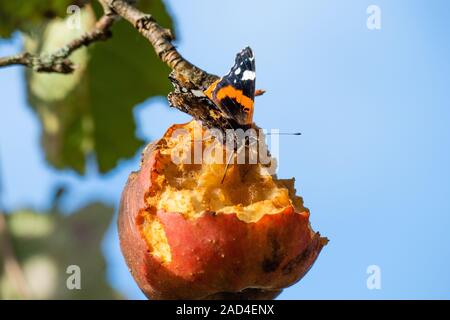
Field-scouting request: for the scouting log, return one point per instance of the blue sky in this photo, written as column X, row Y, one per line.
column 373, row 160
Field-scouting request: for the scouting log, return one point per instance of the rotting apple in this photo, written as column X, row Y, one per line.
column 185, row 234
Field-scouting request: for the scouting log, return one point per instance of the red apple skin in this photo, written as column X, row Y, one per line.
column 216, row 256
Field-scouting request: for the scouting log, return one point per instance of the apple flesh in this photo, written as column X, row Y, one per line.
column 185, row 234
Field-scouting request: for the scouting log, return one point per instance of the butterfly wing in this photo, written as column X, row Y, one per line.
column 234, row 94
column 200, row 107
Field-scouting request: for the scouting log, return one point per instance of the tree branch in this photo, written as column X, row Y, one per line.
column 161, row 40
column 58, row 61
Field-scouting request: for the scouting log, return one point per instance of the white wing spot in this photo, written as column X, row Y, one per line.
column 248, row 75
column 238, row 70
column 198, row 93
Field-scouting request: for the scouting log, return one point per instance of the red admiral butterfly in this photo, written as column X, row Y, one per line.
column 225, row 104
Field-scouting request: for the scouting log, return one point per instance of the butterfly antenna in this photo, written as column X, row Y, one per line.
column 226, row 167
column 284, row 133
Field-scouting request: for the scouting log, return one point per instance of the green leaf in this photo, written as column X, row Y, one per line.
column 158, row 11
column 61, row 100
column 46, row 244
column 89, row 113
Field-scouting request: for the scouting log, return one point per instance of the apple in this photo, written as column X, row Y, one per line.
column 186, row 234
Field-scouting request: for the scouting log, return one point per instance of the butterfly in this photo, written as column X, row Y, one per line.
column 228, row 103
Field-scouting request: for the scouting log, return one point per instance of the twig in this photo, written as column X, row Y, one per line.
column 161, row 40
column 58, row 61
